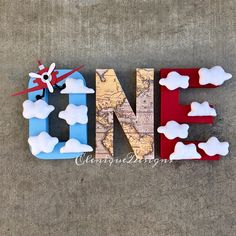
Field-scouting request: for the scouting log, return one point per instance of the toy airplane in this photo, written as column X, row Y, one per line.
column 46, row 78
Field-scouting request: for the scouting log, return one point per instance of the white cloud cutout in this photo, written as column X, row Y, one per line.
column 201, row 109
column 216, row 76
column 73, row 145
column 213, row 146
column 185, row 152
column 39, row 109
column 76, row 86
column 174, row 80
column 42, row 143
column 74, row 114
column 173, row 129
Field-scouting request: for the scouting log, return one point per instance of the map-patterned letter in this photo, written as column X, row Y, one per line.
column 139, row 128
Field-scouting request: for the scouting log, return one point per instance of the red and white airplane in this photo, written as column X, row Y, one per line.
column 46, row 78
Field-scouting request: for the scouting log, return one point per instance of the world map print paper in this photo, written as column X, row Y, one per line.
column 139, row 127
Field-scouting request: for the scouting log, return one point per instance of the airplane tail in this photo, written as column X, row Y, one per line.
column 41, row 66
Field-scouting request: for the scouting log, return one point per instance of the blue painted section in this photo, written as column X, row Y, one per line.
column 77, row 131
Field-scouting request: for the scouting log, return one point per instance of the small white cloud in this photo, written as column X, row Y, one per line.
column 201, row 109
column 39, row 109
column 216, row 76
column 74, row 114
column 213, row 146
column 174, row 80
column 185, row 152
column 173, row 129
column 76, row 86
column 73, row 145
column 42, row 143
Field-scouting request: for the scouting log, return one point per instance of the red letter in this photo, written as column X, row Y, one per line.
column 172, row 110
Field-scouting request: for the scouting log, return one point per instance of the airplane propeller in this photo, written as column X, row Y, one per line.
column 45, row 77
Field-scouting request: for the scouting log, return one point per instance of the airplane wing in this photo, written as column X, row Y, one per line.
column 28, row 90
column 68, row 73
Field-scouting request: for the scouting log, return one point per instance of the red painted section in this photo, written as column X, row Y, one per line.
column 171, row 109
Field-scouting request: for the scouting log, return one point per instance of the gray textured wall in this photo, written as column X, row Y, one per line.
column 59, row 198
